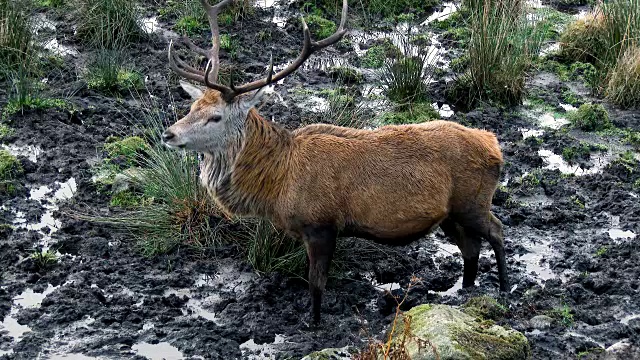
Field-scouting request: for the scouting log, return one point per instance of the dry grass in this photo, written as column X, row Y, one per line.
column 624, row 80
column 398, row 338
column 585, row 39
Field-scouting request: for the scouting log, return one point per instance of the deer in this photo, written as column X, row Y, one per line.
column 318, row 183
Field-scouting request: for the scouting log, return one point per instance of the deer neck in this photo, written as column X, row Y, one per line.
column 248, row 178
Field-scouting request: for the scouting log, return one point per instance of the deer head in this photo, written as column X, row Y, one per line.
column 219, row 113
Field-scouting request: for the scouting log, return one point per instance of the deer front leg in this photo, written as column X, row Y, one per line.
column 320, row 242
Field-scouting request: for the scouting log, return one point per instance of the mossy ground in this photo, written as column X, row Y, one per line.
column 10, row 169
column 415, row 114
column 590, row 117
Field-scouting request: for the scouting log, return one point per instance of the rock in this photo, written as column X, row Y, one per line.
column 484, row 307
column 331, row 354
column 456, row 335
column 125, row 180
column 541, row 322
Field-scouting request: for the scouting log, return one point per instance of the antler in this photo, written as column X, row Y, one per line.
column 210, row 76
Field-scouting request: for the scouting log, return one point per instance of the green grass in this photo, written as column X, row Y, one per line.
column 16, row 36
column 502, row 47
column 369, row 9
column 623, row 87
column 16, row 106
column 320, row 27
column 10, row 169
column 44, row 259
column 189, row 25
column 374, row 57
column 414, row 114
column 6, row 131
column 51, row 3
column 601, row 251
column 564, row 314
column 108, row 73
column 590, row 117
column 108, row 24
column 127, row 150
column 405, row 77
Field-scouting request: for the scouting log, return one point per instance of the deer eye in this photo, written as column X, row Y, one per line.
column 214, row 118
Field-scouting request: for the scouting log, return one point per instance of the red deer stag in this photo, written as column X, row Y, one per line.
column 393, row 184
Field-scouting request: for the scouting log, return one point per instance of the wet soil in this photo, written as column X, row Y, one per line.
column 570, row 233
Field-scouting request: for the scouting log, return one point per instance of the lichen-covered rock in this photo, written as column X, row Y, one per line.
column 331, row 354
column 485, row 307
column 458, row 336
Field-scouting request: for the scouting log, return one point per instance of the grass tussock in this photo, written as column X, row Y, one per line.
column 191, row 19
column 502, row 48
column 108, row 73
column 16, row 36
column 585, row 39
column 108, row 23
column 624, row 80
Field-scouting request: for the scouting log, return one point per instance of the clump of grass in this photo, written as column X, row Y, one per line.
column 624, row 80
column 413, row 114
column 376, row 55
column 108, row 23
column 127, row 150
column 345, row 75
column 502, row 48
column 18, row 105
column 10, row 169
column 270, row 250
column 16, row 36
column 404, row 79
column 371, row 8
column 571, row 153
column 44, row 259
column 585, row 39
column 320, row 27
column 564, row 314
column 601, row 251
column 107, row 73
column 51, row 3
column 590, row 117
column 5, row 131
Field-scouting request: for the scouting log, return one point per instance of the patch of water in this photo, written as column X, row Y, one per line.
column 252, row 351
column 550, row 48
column 28, row 151
column 550, row 121
column 444, row 111
column 65, row 191
column 61, row 50
column 149, row 25
column 28, row 299
column 448, row 9
column 568, row 107
column 71, row 356
column 625, row 320
column 617, row 234
column 585, row 337
column 554, row 161
column 313, row 103
column 526, row 133
column 159, row 351
column 534, row 259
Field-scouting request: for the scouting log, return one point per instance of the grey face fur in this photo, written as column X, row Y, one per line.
column 212, row 123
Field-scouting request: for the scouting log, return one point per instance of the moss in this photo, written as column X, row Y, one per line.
column 127, row 149
column 572, row 153
column 570, row 97
column 416, row 114
column 14, row 106
column 320, row 27
column 601, row 251
column 485, row 307
column 630, row 137
column 374, row 57
column 457, row 335
column 125, row 80
column 590, row 117
column 623, row 87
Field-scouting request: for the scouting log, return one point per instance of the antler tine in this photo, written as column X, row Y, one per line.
column 308, row 48
column 212, row 14
column 173, row 58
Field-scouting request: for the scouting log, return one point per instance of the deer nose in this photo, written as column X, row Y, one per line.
column 167, row 135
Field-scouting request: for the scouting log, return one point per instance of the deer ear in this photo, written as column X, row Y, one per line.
column 195, row 92
column 255, row 99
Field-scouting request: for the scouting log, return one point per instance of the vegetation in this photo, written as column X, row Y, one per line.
column 320, row 27
column 584, row 40
column 405, row 79
column 371, row 8
column 108, row 23
column 17, row 105
column 5, row 131
column 44, row 259
column 107, row 73
column 191, row 18
column 564, row 314
column 590, row 117
column 127, row 150
column 485, row 307
column 601, row 251
column 414, row 114
column 10, row 168
column 502, row 48
column 624, row 80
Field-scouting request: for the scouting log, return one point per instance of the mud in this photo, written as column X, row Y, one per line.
column 103, row 300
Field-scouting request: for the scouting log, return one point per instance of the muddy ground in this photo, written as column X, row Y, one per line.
column 570, row 230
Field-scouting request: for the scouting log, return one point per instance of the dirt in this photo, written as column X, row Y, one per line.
column 570, row 235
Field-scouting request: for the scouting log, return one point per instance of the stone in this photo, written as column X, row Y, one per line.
column 331, row 354
column 541, row 322
column 457, row 335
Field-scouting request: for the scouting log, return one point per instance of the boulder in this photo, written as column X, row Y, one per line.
column 457, row 335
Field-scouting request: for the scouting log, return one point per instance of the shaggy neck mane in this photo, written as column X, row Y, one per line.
column 248, row 177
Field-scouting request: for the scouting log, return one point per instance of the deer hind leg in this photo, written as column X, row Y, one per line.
column 320, row 243
column 469, row 247
column 484, row 224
